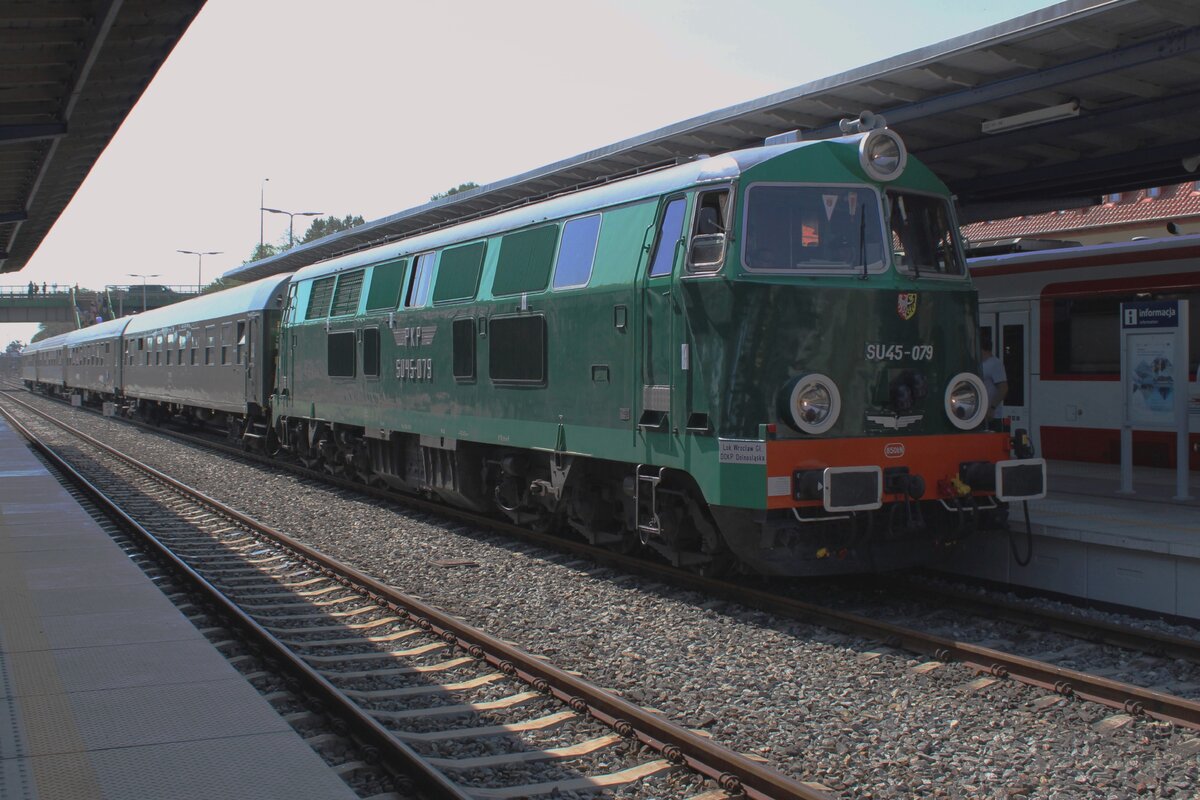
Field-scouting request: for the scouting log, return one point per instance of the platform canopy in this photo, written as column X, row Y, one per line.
column 70, row 71
column 1113, row 87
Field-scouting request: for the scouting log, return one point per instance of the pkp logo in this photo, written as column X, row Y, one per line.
column 893, row 450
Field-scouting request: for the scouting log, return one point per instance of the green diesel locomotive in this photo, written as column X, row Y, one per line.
column 765, row 359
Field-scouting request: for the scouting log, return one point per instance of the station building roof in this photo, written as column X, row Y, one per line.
column 1121, row 75
column 70, row 72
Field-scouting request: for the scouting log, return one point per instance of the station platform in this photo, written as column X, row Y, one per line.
column 106, row 690
column 1091, row 542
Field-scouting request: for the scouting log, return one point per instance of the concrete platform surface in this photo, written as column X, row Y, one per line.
column 106, row 690
column 1091, row 542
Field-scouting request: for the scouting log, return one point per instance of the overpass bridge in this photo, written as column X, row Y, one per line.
column 80, row 307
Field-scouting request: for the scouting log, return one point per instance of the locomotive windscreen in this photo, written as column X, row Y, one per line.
column 818, row 228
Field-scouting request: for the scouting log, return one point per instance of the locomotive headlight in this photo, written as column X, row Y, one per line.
column 966, row 401
column 882, row 154
column 813, row 404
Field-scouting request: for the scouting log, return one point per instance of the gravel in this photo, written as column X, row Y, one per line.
column 817, row 705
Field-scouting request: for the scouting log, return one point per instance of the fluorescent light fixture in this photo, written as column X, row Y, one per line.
column 1037, row 117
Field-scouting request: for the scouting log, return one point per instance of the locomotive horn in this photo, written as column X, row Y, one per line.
column 867, row 121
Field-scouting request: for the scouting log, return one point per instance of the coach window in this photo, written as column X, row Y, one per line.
column 370, row 351
column 210, row 341
column 669, row 231
column 226, row 341
column 418, row 287
column 707, row 249
column 577, row 252
column 241, row 342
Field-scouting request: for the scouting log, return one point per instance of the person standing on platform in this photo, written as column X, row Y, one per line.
column 995, row 380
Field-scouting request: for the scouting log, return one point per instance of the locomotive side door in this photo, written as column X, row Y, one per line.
column 286, row 353
column 658, row 317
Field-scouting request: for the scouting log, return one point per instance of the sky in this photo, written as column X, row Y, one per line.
column 368, row 107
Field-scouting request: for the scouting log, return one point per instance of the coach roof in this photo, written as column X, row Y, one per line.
column 257, row 296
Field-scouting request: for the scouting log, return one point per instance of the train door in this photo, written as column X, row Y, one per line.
column 1009, row 331
column 658, row 317
column 246, row 339
column 286, row 352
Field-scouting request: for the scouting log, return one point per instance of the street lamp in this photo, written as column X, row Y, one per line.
column 291, row 215
column 262, row 201
column 143, row 277
column 200, row 264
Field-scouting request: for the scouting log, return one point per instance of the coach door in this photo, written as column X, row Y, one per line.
column 1010, row 333
column 658, row 317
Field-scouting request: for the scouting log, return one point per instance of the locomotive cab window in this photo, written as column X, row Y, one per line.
column 707, row 250
column 813, row 229
column 924, row 241
column 669, row 231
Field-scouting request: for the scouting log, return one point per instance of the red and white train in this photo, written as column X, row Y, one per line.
column 1053, row 315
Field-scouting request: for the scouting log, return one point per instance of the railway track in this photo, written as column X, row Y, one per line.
column 1061, row 683
column 463, row 713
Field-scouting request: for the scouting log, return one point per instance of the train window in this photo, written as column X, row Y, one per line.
column 386, row 280
column 458, row 273
column 192, row 357
column 168, row 358
column 241, row 342
column 923, row 239
column 418, row 287
column 319, row 296
column 226, row 336
column 517, row 349
column 371, row 352
column 577, row 252
column 813, row 229
column 349, row 289
column 707, row 250
column 669, row 232
column 340, row 351
column 524, row 261
column 210, row 340
column 464, row 349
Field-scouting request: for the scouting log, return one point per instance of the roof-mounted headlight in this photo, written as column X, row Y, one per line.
column 882, row 154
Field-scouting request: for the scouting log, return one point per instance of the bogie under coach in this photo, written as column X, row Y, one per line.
column 767, row 358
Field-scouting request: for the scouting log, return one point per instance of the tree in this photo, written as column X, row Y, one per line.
column 325, row 226
column 14, row 347
column 462, row 187
column 261, row 251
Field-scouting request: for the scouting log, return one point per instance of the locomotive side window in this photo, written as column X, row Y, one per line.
column 371, row 352
column 669, row 232
column 923, row 239
column 464, row 349
column 820, row 229
column 386, row 280
column 525, row 260
column 577, row 252
column 349, row 289
column 319, row 296
column 340, row 354
column 517, row 350
column 418, row 287
column 458, row 274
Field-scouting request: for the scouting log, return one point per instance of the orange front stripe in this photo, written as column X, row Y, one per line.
column 932, row 457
